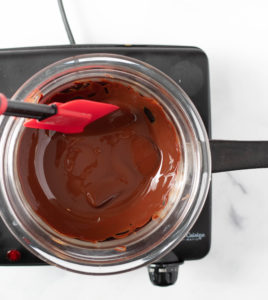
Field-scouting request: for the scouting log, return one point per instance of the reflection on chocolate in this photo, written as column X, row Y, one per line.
column 109, row 180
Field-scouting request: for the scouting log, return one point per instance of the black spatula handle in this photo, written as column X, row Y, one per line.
column 25, row 109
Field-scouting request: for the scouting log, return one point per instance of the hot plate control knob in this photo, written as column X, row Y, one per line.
column 163, row 274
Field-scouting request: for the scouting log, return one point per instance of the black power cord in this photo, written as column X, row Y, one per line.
column 66, row 23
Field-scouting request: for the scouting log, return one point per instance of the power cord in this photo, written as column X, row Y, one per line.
column 66, row 23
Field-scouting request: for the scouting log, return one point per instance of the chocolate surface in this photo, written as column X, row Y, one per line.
column 109, row 180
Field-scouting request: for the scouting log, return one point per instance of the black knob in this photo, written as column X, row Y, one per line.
column 163, row 274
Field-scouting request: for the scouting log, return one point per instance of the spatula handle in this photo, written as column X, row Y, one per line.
column 25, row 109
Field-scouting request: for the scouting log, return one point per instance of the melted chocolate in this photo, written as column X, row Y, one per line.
column 109, row 180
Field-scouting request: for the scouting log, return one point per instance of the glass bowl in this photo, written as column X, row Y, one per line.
column 185, row 201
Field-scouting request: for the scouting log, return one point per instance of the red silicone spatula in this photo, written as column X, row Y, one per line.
column 69, row 117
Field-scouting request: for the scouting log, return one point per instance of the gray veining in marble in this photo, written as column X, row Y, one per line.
column 236, row 182
column 236, row 219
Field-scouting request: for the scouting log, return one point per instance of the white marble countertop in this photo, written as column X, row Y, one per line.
column 234, row 36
